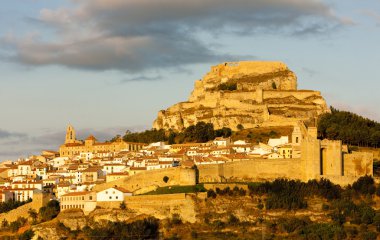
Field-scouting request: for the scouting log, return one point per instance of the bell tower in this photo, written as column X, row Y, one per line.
column 70, row 135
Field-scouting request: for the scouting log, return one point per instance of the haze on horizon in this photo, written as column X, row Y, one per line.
column 108, row 66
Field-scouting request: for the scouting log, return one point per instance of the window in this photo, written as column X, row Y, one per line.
column 90, row 198
column 106, row 192
column 117, row 197
column 296, row 139
column 110, row 197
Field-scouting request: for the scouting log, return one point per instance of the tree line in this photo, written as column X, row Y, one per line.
column 349, row 127
column 200, row 132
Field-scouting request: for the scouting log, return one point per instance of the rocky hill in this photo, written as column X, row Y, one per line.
column 249, row 93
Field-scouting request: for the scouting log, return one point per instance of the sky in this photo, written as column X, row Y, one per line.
column 107, row 66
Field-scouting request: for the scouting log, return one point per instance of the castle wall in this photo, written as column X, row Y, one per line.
column 358, row 164
column 252, row 170
column 39, row 200
column 319, row 159
column 283, row 94
column 177, row 176
column 331, row 158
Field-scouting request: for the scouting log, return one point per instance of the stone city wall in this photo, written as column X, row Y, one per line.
column 358, row 164
column 177, row 176
column 252, row 170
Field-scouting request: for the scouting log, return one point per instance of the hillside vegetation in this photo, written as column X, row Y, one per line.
column 349, row 127
column 203, row 132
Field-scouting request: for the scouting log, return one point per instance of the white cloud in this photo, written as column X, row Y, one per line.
column 137, row 35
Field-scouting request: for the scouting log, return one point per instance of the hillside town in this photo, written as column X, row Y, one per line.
column 70, row 174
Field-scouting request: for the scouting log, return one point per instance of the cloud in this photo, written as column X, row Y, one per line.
column 7, row 134
column 26, row 145
column 310, row 72
column 372, row 14
column 142, row 78
column 139, row 35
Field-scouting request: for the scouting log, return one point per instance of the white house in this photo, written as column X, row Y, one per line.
column 240, row 142
column 113, row 168
column 112, row 194
column 58, row 161
column 274, row 142
column 222, row 142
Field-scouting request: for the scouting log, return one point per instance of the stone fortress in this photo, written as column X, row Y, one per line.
column 250, row 93
column 265, row 94
column 318, row 159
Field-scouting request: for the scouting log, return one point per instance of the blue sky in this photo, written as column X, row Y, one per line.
column 106, row 66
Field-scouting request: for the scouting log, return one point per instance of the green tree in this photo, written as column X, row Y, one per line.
column 50, row 211
column 123, row 205
column 240, row 127
column 33, row 215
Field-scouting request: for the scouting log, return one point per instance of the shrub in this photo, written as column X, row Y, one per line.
column 378, row 191
column 376, row 221
column 323, row 231
column 368, row 235
column 11, row 204
column 165, row 179
column 4, row 223
column 228, row 86
column 211, row 193
column 364, row 185
column 50, row 211
column 292, row 224
column 140, row 229
column 325, row 207
column 14, row 226
column 176, row 219
column 26, row 235
column 218, row 224
column 232, row 219
column 123, row 205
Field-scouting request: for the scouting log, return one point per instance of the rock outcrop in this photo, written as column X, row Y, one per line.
column 252, row 94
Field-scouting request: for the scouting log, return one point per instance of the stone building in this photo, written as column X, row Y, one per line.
column 73, row 147
column 79, row 200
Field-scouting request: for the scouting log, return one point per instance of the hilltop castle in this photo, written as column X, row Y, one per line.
column 252, row 94
column 73, row 147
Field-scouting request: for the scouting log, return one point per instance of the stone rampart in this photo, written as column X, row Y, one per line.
column 22, row 211
column 358, row 164
column 283, row 94
column 252, row 170
column 39, row 200
column 177, row 176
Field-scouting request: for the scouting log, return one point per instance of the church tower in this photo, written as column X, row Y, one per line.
column 70, row 135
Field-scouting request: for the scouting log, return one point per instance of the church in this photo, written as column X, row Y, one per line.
column 73, row 147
